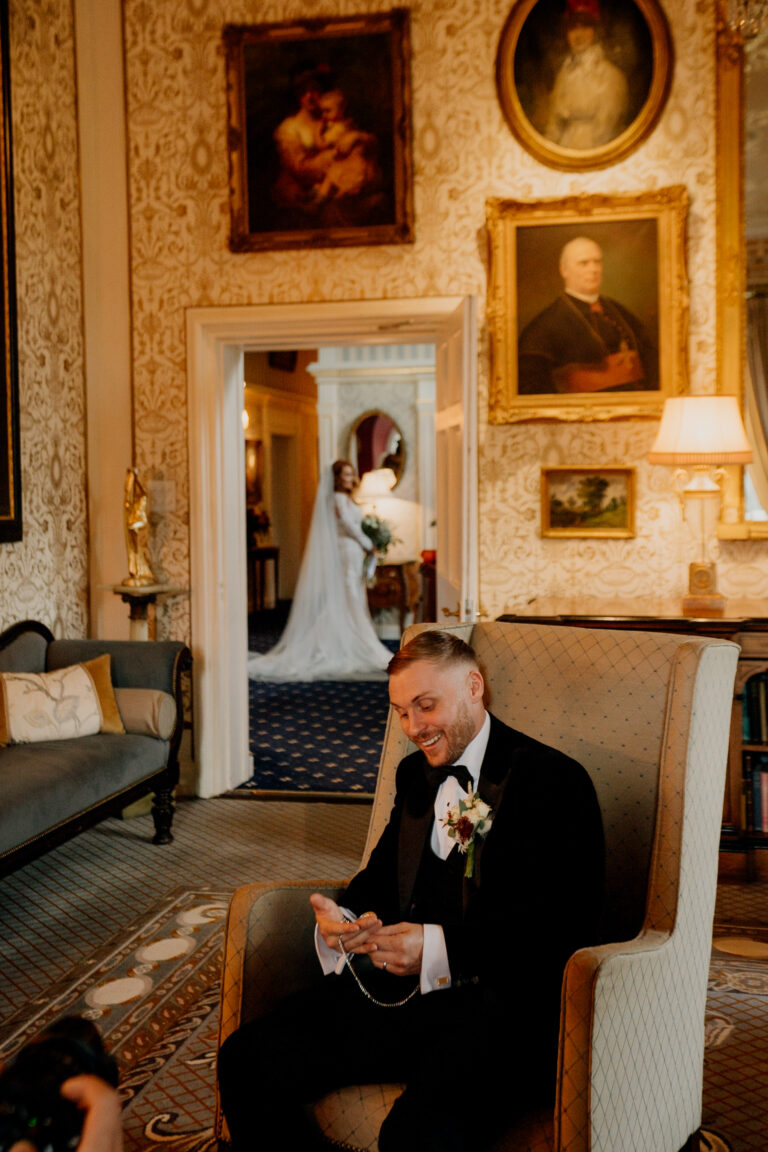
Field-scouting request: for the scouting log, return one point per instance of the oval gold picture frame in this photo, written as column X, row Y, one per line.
column 525, row 61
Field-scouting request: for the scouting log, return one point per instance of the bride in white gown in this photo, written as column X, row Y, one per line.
column 329, row 634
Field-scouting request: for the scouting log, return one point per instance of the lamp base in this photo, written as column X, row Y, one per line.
column 703, row 605
column 703, row 597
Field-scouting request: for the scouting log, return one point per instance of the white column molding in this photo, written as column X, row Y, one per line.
column 327, row 424
column 425, row 447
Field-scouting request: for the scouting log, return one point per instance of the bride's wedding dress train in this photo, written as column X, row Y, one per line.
column 329, row 634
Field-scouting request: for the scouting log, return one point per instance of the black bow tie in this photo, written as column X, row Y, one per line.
column 435, row 776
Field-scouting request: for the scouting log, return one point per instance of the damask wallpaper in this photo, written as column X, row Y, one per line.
column 45, row 575
column 463, row 154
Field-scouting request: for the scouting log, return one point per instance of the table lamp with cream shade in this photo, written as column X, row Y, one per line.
column 375, row 484
column 700, row 434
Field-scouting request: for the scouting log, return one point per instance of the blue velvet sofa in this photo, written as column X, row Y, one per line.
column 52, row 790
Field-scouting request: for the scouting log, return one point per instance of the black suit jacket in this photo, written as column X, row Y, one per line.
column 536, row 895
column 564, row 334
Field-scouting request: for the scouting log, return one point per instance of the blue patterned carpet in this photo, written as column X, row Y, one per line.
column 323, row 736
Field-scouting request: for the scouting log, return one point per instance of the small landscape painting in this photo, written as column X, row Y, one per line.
column 587, row 502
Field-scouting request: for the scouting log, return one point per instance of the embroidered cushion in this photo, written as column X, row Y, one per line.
column 61, row 705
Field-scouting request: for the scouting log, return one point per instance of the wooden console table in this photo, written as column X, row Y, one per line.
column 258, row 556
column 397, row 586
column 745, row 623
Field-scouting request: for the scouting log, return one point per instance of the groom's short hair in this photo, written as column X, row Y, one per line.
column 435, row 646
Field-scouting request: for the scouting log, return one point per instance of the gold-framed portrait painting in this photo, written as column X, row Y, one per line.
column 587, row 306
column 319, row 132
column 579, row 501
column 582, row 82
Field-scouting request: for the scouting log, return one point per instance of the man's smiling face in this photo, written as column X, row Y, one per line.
column 440, row 705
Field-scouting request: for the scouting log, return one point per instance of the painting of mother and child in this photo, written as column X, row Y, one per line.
column 320, row 131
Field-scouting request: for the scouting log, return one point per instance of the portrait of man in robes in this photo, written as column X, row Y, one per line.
column 587, row 339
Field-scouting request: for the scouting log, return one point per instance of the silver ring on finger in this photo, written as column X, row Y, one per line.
column 384, row 966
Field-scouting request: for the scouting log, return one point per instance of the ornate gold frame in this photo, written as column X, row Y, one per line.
column 547, row 528
column 731, row 255
column 666, row 206
column 554, row 154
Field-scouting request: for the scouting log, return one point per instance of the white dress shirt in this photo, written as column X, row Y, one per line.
column 435, row 969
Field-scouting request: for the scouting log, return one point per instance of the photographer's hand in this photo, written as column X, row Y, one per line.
column 102, row 1127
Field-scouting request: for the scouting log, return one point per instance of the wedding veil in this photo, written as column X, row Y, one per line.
column 321, row 640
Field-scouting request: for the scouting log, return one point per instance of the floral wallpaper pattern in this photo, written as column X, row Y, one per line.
column 463, row 153
column 177, row 187
column 45, row 575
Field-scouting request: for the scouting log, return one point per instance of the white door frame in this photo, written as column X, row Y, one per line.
column 216, row 340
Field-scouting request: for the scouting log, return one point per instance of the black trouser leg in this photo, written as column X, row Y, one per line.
column 272, row 1068
column 465, row 1059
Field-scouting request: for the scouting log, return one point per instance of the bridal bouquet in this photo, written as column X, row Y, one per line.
column 468, row 818
column 378, row 532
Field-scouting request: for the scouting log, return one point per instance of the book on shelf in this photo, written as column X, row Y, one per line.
column 754, row 797
column 746, row 727
column 756, row 818
column 755, row 710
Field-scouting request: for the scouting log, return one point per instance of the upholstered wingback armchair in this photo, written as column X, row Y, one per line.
column 648, row 716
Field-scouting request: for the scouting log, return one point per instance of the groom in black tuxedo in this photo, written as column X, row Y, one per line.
column 451, row 983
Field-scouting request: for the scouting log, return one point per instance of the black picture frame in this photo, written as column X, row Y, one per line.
column 297, row 180
column 10, row 453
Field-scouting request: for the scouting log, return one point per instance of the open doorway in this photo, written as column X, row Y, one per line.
column 376, row 404
column 216, row 341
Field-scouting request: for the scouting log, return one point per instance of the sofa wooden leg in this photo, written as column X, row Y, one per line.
column 162, row 814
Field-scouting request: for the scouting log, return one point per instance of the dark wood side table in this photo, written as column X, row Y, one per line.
column 428, row 572
column 742, row 621
column 258, row 557
column 397, row 586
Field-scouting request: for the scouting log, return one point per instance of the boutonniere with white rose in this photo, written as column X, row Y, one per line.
column 466, row 820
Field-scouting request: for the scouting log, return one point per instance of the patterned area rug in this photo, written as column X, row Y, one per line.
column 736, row 1057
column 131, row 935
column 155, row 998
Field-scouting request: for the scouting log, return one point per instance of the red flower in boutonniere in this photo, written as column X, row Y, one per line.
column 467, row 819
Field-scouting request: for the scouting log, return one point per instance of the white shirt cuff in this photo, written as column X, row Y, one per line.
column 330, row 959
column 435, row 970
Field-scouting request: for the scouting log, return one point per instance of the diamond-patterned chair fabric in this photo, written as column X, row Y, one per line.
column 648, row 715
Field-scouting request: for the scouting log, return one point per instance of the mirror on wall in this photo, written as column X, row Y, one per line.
column 375, row 441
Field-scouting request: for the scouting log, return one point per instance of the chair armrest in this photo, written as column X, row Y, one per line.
column 625, row 1027
column 269, row 948
column 269, row 952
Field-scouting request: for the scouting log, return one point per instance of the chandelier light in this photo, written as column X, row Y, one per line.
column 747, row 18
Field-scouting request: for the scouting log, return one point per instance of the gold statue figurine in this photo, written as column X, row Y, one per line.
column 136, row 522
